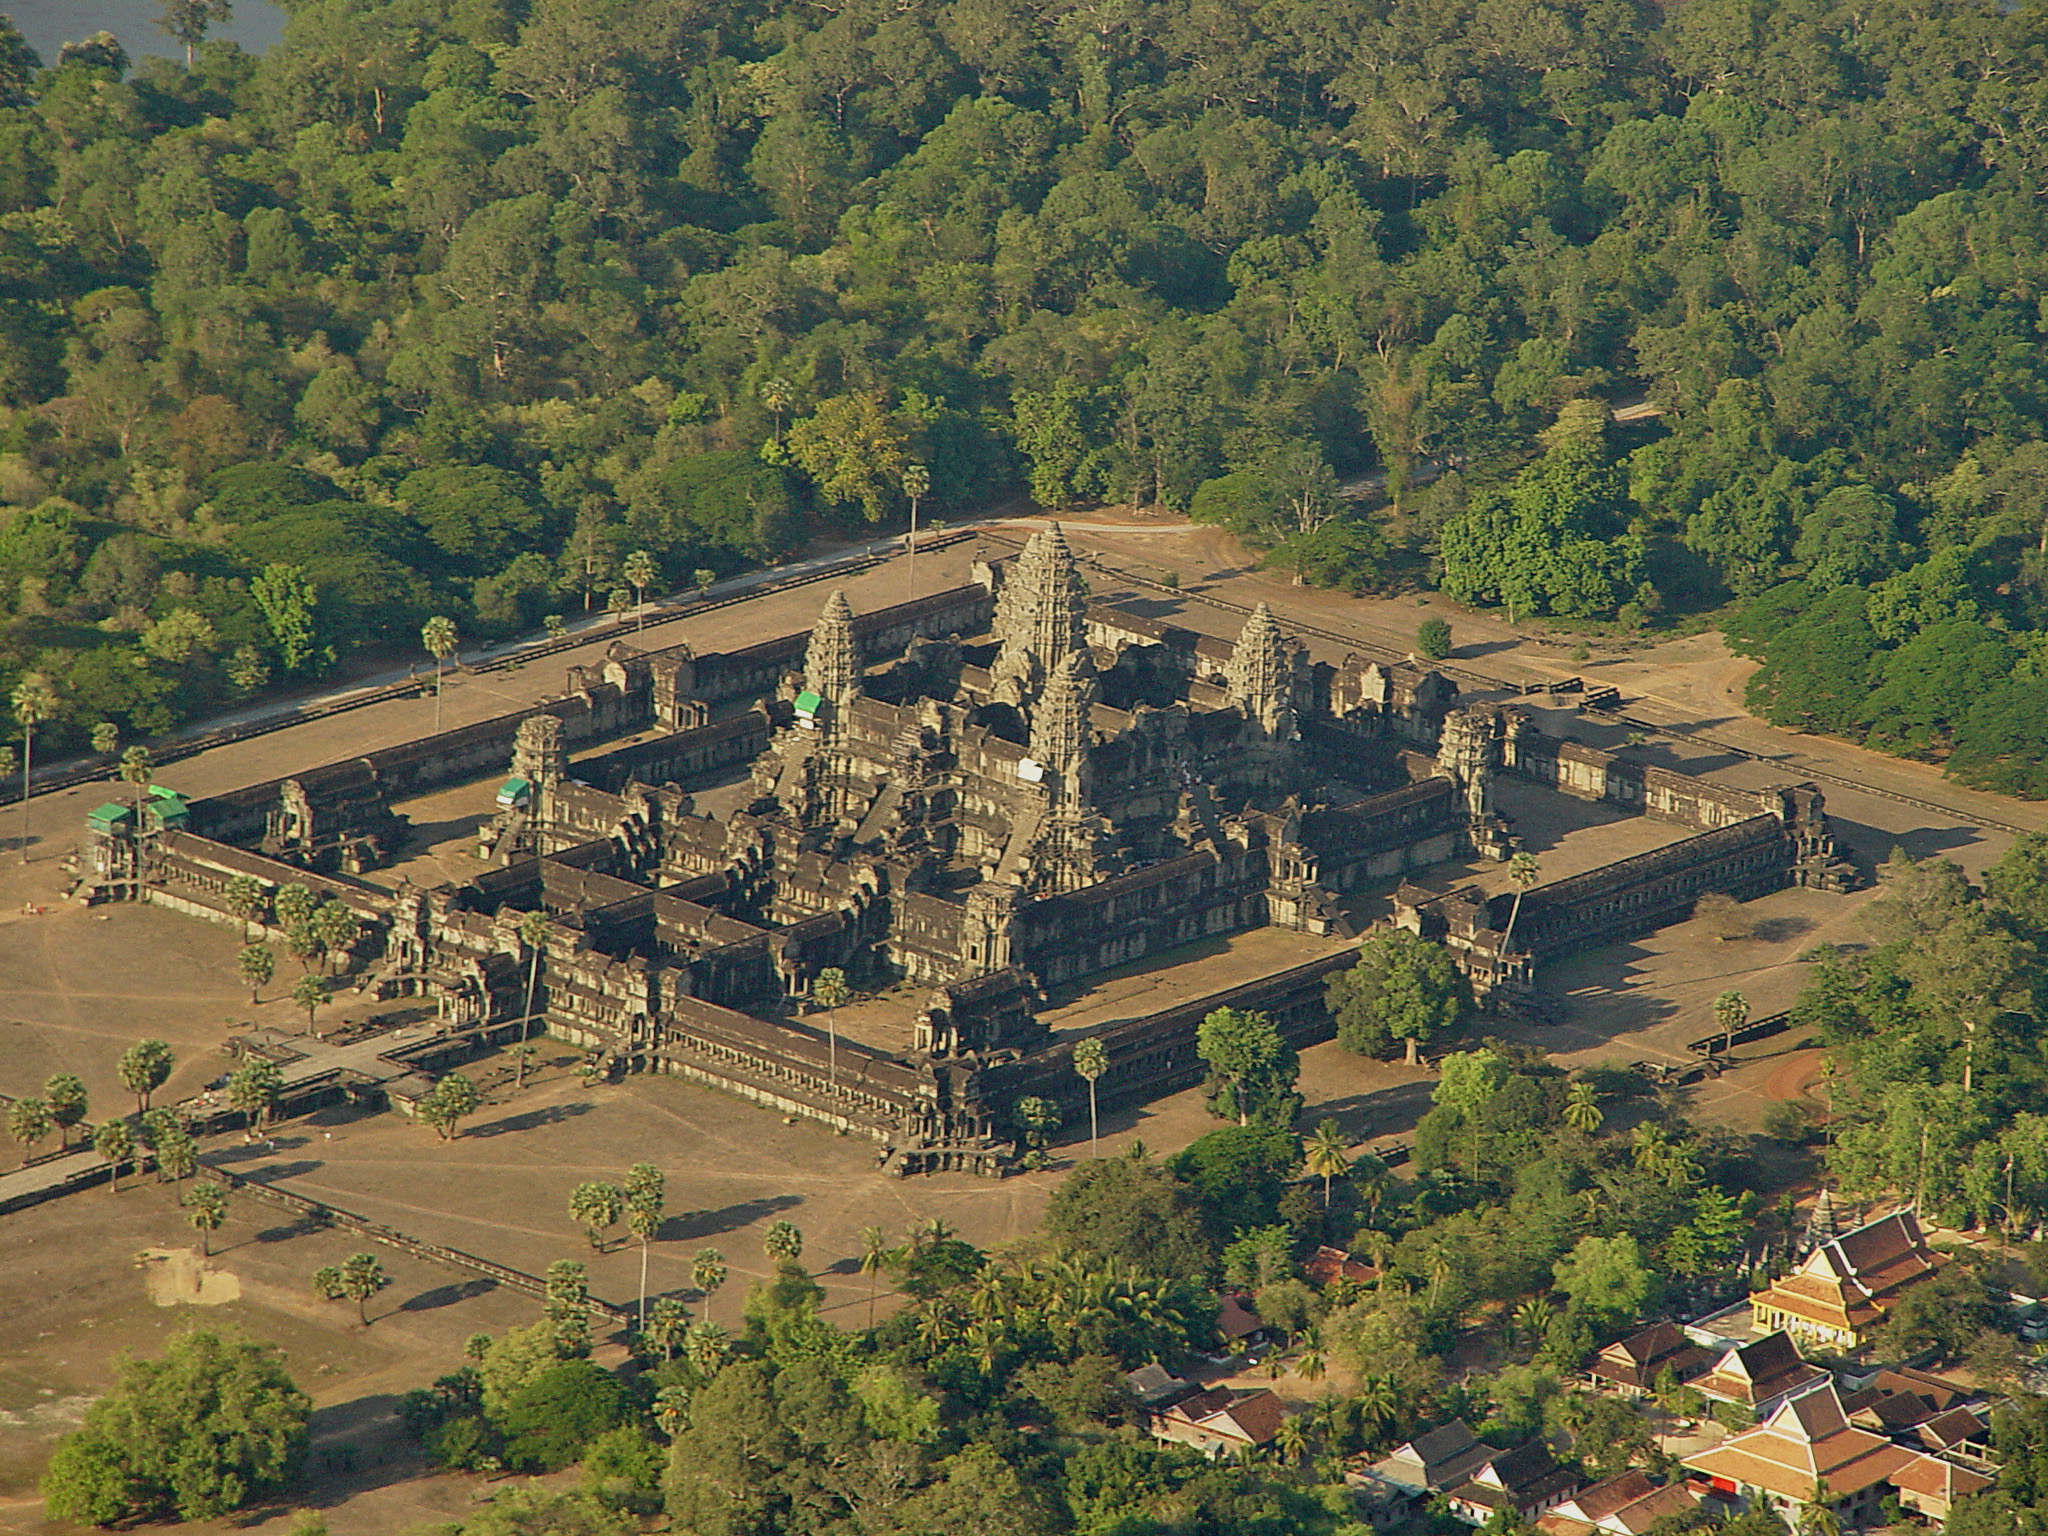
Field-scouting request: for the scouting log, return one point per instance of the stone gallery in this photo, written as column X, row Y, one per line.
column 973, row 799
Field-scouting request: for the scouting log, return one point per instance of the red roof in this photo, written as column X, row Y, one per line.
column 1327, row 1264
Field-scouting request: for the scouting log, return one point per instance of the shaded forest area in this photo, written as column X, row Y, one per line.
column 449, row 306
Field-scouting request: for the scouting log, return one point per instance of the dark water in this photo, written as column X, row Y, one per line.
column 49, row 24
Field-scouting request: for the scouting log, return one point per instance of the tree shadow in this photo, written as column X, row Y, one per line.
column 300, row 1226
column 356, row 1447
column 528, row 1120
column 1781, row 930
column 447, row 1295
column 695, row 1224
column 277, row 1173
column 1375, row 1114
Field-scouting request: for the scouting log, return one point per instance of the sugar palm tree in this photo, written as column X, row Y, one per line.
column 707, row 1273
column 875, row 1256
column 917, row 481
column 65, row 1094
column 1525, row 872
column 137, row 770
column 829, row 991
column 437, row 635
column 35, row 700
column 1582, row 1107
column 309, row 992
column 244, row 900
column 639, row 573
column 646, row 1195
column 1731, row 1012
column 206, row 1207
column 1326, row 1151
column 145, row 1067
column 256, row 964
column 1091, row 1060
column 29, row 1122
column 533, row 933
column 707, row 1346
column 116, row 1144
column 597, row 1205
column 783, row 1242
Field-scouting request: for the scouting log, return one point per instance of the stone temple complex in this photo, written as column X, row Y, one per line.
column 970, row 800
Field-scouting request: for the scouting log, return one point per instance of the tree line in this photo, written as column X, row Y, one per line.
column 448, row 311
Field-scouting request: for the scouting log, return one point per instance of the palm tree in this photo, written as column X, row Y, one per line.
column 1326, row 1149
column 29, row 1122
column 665, row 1326
column 829, row 992
column 1091, row 1060
column 1582, row 1108
column 1525, row 872
column 707, row 1346
column 65, row 1094
column 253, row 1089
column 646, row 1194
column 1531, row 1319
column 145, row 1067
column 1731, row 1012
column 244, row 900
column 639, row 573
column 206, row 1207
column 1310, row 1362
column 777, row 396
column 309, row 992
column 783, row 1242
column 597, row 1205
column 1378, row 1401
column 875, row 1256
column 707, row 1273
column 137, row 770
column 438, row 636
column 1817, row 1515
column 256, row 964
column 1291, row 1440
column 34, row 700
column 116, row 1144
column 917, row 480
column 533, row 933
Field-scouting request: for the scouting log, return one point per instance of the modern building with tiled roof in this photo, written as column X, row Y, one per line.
column 1808, row 1442
column 1760, row 1375
column 1843, row 1289
column 1632, row 1365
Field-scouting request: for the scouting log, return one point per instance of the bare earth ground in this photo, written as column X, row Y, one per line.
column 87, row 1276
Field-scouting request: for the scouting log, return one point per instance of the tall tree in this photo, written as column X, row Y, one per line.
column 256, row 964
column 707, row 1273
column 35, row 701
column 30, row 1123
column 438, row 638
column 145, row 1067
column 115, row 1144
column 206, row 1208
column 65, row 1094
column 1328, row 1155
column 596, row 1205
column 830, row 992
column 1091, row 1060
column 646, row 1194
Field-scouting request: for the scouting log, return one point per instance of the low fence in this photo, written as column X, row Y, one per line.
column 1756, row 1029
column 404, row 1242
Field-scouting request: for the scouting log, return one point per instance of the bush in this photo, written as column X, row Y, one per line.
column 1433, row 638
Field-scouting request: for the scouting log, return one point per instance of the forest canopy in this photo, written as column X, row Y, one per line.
column 447, row 306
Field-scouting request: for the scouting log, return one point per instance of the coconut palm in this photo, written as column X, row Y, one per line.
column 1091, row 1060
column 1378, row 1400
column 34, row 700
column 438, row 636
column 206, row 1208
column 1291, row 1440
column 1326, row 1150
column 1582, row 1107
column 829, row 991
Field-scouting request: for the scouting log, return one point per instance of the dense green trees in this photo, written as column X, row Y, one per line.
column 212, row 1425
column 446, row 310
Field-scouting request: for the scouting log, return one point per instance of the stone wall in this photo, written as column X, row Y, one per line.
column 1588, row 773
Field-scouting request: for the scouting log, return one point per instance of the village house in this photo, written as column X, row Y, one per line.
column 1221, row 1421
column 1526, row 1481
column 1627, row 1505
column 1433, row 1463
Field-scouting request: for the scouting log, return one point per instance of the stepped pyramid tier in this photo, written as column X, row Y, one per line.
column 832, row 659
column 1040, row 616
column 1259, row 675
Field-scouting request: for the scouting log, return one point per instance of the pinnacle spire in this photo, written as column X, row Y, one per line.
column 1257, row 670
column 1060, row 723
column 832, row 659
column 1039, row 612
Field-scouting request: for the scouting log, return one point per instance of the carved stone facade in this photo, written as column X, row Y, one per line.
column 983, row 793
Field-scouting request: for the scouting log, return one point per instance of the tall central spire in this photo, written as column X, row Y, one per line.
column 1257, row 673
column 832, row 659
column 1040, row 614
